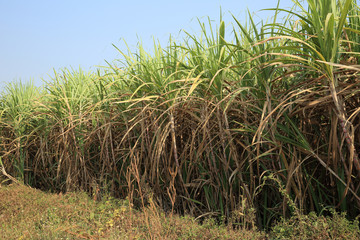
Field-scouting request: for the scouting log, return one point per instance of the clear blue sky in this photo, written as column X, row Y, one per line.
column 37, row 36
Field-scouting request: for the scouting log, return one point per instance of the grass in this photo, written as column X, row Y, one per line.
column 316, row 227
column 27, row 213
column 266, row 122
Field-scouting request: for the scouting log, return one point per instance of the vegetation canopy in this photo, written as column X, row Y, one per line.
column 265, row 123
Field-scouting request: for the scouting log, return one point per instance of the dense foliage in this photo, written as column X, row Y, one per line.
column 267, row 121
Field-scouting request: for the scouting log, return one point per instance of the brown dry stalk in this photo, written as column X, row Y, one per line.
column 3, row 171
column 345, row 125
column 173, row 136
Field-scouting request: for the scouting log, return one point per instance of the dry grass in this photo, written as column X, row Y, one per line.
column 27, row 213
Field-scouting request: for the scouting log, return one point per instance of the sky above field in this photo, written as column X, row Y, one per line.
column 39, row 36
